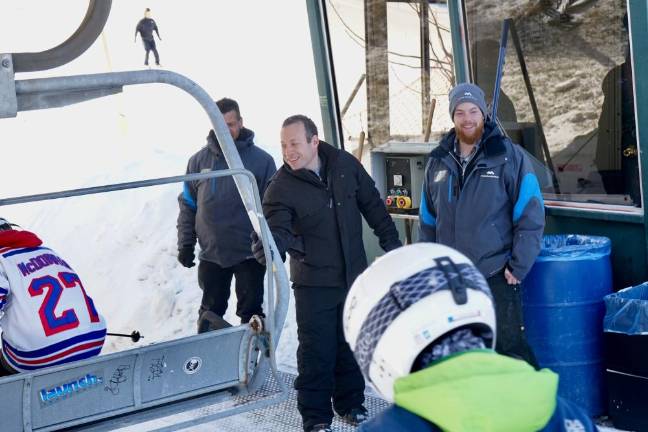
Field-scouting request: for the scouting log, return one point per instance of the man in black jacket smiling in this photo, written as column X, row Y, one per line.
column 314, row 206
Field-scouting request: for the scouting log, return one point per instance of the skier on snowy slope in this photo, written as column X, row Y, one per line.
column 421, row 323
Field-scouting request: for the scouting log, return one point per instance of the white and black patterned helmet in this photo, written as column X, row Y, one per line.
column 405, row 301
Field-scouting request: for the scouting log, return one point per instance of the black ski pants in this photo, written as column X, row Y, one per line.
column 149, row 45
column 511, row 339
column 326, row 366
column 215, row 282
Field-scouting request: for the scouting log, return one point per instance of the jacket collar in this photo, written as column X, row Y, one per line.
column 18, row 239
column 244, row 140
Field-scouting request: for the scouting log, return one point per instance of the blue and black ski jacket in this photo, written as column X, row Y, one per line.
column 211, row 210
column 491, row 210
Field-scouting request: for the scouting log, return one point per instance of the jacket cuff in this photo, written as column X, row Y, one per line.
column 392, row 245
column 518, row 273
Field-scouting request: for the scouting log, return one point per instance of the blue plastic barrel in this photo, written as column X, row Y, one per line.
column 564, row 309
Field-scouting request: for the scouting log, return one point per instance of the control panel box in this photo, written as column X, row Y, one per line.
column 404, row 180
column 398, row 170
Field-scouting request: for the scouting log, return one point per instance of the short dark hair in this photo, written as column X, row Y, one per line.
column 226, row 105
column 147, row 10
column 309, row 125
column 5, row 225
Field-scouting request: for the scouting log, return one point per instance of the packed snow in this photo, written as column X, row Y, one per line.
column 123, row 244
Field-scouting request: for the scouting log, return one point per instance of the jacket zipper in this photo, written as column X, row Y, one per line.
column 328, row 191
column 463, row 179
column 212, row 182
column 462, row 168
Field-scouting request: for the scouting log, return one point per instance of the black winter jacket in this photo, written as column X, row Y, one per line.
column 146, row 27
column 212, row 211
column 319, row 222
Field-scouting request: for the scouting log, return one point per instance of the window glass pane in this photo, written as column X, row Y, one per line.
column 381, row 41
column 576, row 53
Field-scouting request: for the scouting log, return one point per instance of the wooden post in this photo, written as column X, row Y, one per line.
column 425, row 62
column 428, row 126
column 360, row 149
column 352, row 95
column 377, row 69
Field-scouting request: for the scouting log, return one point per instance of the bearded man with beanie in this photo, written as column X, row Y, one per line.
column 482, row 197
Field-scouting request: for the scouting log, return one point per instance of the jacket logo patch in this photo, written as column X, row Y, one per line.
column 440, row 176
column 490, row 174
column 574, row 425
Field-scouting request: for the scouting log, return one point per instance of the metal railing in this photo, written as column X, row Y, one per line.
column 276, row 310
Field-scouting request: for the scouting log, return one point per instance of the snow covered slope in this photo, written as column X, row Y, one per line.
column 123, row 244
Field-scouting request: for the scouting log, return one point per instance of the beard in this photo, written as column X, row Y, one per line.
column 470, row 138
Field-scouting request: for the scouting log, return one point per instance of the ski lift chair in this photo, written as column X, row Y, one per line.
column 170, row 385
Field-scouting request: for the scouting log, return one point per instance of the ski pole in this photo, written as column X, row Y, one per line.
column 135, row 336
column 500, row 68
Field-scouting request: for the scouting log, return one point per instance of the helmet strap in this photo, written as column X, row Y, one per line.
column 454, row 278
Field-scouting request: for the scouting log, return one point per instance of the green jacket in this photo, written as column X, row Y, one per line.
column 480, row 390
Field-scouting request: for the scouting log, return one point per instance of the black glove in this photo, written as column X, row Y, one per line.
column 257, row 248
column 393, row 245
column 186, row 256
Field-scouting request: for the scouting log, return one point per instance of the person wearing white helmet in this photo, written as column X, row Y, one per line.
column 421, row 324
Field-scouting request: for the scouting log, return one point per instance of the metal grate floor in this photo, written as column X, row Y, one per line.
column 201, row 414
column 204, row 414
column 281, row 417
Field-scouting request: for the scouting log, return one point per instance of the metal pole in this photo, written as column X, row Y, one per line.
column 118, row 79
column 326, row 85
column 459, row 36
column 122, row 186
column 282, row 301
column 534, row 106
column 250, row 200
column 500, row 67
column 88, row 31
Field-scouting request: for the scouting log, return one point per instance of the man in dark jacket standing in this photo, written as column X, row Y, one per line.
column 145, row 28
column 481, row 197
column 314, row 207
column 212, row 212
